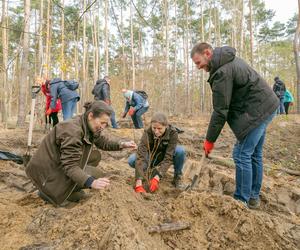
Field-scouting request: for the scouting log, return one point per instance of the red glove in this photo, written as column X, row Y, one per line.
column 208, row 147
column 139, row 189
column 153, row 184
column 49, row 111
column 131, row 111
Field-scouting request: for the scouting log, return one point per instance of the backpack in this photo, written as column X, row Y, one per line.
column 71, row 84
column 142, row 93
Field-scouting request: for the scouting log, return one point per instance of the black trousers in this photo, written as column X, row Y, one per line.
column 53, row 116
column 286, row 107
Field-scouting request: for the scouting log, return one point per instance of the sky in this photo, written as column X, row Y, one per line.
column 284, row 9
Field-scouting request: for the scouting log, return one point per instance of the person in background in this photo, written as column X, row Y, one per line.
column 157, row 151
column 136, row 105
column 101, row 91
column 66, row 92
column 243, row 99
column 65, row 163
column 53, row 116
column 288, row 100
column 279, row 89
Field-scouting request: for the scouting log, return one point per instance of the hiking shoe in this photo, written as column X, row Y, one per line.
column 177, row 182
column 254, row 203
column 243, row 203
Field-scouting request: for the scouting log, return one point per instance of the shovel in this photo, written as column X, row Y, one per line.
column 34, row 91
column 196, row 176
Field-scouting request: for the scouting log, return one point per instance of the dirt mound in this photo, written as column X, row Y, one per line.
column 113, row 219
column 118, row 218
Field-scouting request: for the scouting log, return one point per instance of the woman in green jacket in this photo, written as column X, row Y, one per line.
column 288, row 101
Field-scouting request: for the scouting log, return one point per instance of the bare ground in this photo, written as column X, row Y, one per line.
column 118, row 218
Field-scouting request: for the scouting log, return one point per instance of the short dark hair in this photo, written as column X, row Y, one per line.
column 97, row 108
column 160, row 118
column 199, row 48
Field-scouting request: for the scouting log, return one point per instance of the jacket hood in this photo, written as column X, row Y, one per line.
column 221, row 56
column 55, row 80
column 101, row 81
column 278, row 81
column 128, row 94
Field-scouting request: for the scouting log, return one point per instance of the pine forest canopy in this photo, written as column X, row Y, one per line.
column 141, row 44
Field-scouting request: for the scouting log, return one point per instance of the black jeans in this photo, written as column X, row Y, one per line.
column 53, row 116
column 286, row 107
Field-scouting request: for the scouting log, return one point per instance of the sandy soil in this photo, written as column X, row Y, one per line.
column 118, row 218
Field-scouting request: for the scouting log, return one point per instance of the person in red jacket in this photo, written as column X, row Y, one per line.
column 50, row 114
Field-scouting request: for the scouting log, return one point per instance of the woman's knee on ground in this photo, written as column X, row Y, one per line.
column 131, row 160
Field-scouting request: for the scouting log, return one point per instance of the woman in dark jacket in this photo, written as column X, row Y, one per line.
column 61, row 166
column 157, row 151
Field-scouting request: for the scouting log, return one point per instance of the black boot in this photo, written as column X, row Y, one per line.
column 177, row 181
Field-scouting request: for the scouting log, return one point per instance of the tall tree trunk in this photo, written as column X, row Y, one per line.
column 123, row 49
column 132, row 46
column 251, row 32
column 62, row 51
column 48, row 41
column 168, row 85
column 84, row 57
column 4, row 99
column 24, row 67
column 96, row 50
column 41, row 51
column 297, row 55
column 241, row 32
column 187, row 68
column 175, row 60
column 202, row 95
column 106, row 38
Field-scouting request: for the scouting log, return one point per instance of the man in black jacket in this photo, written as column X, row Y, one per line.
column 244, row 100
column 101, row 91
column 279, row 89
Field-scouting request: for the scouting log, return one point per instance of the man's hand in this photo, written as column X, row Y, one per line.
column 107, row 101
column 208, row 147
column 100, row 183
column 291, row 103
column 128, row 144
column 131, row 111
column 123, row 115
column 154, row 183
column 49, row 111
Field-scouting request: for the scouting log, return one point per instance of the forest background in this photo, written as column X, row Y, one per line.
column 140, row 44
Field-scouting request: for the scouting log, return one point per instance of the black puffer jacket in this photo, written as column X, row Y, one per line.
column 240, row 95
column 101, row 91
column 279, row 88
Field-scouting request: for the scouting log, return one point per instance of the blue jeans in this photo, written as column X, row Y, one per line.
column 248, row 158
column 69, row 108
column 113, row 120
column 178, row 160
column 281, row 109
column 137, row 117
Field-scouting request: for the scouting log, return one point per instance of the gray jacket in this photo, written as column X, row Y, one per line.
column 58, row 89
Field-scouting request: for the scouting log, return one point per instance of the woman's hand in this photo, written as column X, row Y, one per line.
column 100, row 183
column 128, row 144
